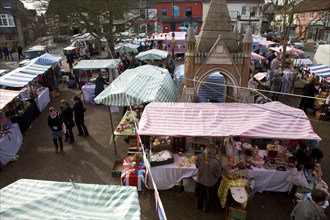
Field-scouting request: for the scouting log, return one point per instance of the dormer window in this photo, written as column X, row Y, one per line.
column 7, row 4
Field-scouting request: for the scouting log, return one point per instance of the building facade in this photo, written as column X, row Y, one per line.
column 176, row 15
column 13, row 24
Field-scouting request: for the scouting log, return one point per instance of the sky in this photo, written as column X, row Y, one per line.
column 31, row 4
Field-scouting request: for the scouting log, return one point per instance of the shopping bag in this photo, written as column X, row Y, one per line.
column 64, row 128
column 298, row 179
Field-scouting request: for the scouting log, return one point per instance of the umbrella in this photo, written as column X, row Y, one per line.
column 255, row 56
column 153, row 54
column 289, row 50
column 128, row 47
column 140, row 85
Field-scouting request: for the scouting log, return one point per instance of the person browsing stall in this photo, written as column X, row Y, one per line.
column 79, row 118
column 67, row 115
column 312, row 208
column 208, row 178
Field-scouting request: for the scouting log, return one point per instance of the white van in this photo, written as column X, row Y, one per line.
column 322, row 55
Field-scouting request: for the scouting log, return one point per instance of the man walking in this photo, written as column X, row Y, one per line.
column 20, row 52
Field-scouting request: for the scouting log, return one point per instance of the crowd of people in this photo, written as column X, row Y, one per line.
column 62, row 122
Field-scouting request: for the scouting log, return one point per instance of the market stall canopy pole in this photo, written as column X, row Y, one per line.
column 270, row 120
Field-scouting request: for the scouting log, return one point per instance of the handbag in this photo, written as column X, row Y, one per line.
column 298, row 179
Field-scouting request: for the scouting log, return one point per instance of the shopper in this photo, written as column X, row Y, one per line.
column 313, row 208
column 276, row 85
column 67, row 115
column 20, row 52
column 208, row 178
column 55, row 122
column 308, row 90
column 99, row 84
column 70, row 60
column 78, row 110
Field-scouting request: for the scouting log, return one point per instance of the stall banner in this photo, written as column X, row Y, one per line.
column 136, row 178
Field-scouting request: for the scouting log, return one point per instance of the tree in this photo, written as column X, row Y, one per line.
column 101, row 18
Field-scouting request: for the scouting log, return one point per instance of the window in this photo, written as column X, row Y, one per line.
column 7, row 4
column 302, row 15
column 311, row 14
column 164, row 12
column 6, row 20
column 176, row 11
column 254, row 11
column 243, row 10
column 188, row 12
column 9, row 37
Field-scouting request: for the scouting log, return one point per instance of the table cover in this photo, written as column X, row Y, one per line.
column 88, row 91
column 43, row 99
column 166, row 176
column 10, row 144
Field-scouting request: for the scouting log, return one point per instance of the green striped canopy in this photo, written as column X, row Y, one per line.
column 128, row 47
column 38, row 199
column 97, row 64
column 140, row 85
column 153, row 54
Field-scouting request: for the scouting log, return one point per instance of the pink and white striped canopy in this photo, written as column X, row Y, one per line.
column 255, row 56
column 271, row 120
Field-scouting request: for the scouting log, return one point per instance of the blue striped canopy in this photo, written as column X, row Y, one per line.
column 320, row 70
column 48, row 59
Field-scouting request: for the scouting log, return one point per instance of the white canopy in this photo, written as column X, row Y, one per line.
column 16, row 79
column 97, row 64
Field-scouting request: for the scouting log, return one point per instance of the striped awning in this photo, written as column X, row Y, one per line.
column 97, row 64
column 153, row 54
column 257, row 57
column 270, row 120
column 34, row 69
column 7, row 96
column 140, row 85
column 127, row 47
column 38, row 199
column 48, row 59
column 320, row 70
column 16, row 79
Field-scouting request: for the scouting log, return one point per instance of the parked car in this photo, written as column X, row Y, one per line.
column 297, row 43
column 321, row 42
column 33, row 52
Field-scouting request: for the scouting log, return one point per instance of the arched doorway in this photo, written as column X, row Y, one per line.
column 214, row 89
column 231, row 88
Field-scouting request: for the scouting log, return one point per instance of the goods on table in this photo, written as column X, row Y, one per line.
column 161, row 158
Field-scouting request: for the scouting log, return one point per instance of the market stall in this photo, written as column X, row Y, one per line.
column 217, row 121
column 96, row 65
column 39, row 199
column 10, row 143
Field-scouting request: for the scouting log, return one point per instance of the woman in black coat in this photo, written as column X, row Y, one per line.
column 78, row 110
column 308, row 90
column 55, row 123
column 67, row 115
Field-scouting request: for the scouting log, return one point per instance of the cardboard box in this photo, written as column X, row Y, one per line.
column 117, row 168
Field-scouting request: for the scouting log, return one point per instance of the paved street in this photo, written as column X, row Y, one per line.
column 91, row 159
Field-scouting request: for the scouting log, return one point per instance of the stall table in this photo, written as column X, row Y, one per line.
column 10, row 144
column 88, row 92
column 43, row 99
column 25, row 120
column 136, row 178
column 167, row 176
